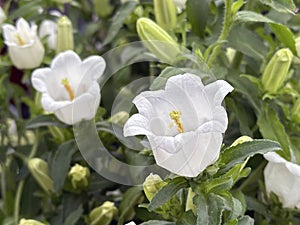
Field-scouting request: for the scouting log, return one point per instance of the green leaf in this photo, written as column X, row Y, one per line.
column 246, row 220
column 188, row 218
column 44, row 121
column 158, row 222
column 74, row 216
column 132, row 197
column 197, row 15
column 118, row 20
column 271, row 128
column 219, row 184
column 167, row 192
column 283, row 33
column 209, row 209
column 239, row 153
column 285, row 6
column 247, row 42
column 61, row 163
column 236, row 6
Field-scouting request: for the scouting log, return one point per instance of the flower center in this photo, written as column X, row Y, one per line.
column 175, row 115
column 20, row 40
column 68, row 87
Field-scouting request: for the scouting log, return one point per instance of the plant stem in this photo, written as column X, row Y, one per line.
column 225, row 31
column 21, row 183
column 18, row 200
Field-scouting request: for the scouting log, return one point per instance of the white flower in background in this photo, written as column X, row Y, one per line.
column 25, row 48
column 48, row 28
column 183, row 123
column 180, row 4
column 131, row 223
column 69, row 87
column 283, row 179
column 2, row 15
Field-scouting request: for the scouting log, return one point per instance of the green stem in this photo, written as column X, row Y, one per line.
column 21, row 183
column 225, row 31
column 18, row 200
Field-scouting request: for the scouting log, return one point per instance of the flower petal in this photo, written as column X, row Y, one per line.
column 137, row 124
column 39, row 79
column 94, row 65
column 217, row 91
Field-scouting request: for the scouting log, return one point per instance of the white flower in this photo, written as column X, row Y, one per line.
column 283, row 179
column 184, row 123
column 131, row 223
column 69, row 87
column 2, row 15
column 24, row 46
column 48, row 29
column 180, row 4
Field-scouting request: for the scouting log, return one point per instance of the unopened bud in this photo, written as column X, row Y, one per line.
column 79, row 176
column 241, row 140
column 152, row 185
column 64, row 35
column 119, row 118
column 165, row 14
column 277, row 70
column 103, row 214
column 30, row 222
column 157, row 40
column 40, row 171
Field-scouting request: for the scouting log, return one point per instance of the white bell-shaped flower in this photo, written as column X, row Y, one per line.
column 48, row 28
column 183, row 123
column 283, row 179
column 24, row 46
column 69, row 87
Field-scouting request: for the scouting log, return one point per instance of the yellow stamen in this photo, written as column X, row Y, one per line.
column 175, row 115
column 20, row 40
column 68, row 87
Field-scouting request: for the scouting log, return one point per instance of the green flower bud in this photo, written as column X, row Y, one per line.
column 30, row 222
column 277, row 70
column 103, row 8
column 241, row 140
column 119, row 118
column 157, row 40
column 64, row 35
column 79, row 176
column 103, row 214
column 152, row 185
column 165, row 14
column 40, row 171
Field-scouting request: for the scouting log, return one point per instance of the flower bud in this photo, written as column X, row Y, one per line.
column 103, row 214
column 152, row 185
column 40, row 171
column 119, row 118
column 103, row 8
column 30, row 222
column 241, row 140
column 79, row 176
column 165, row 14
column 277, row 70
column 157, row 40
column 2, row 16
column 64, row 35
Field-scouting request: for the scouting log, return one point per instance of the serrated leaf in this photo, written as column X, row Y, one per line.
column 167, row 192
column 209, row 209
column 283, row 33
column 237, row 154
column 44, row 121
column 61, row 163
column 118, row 20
